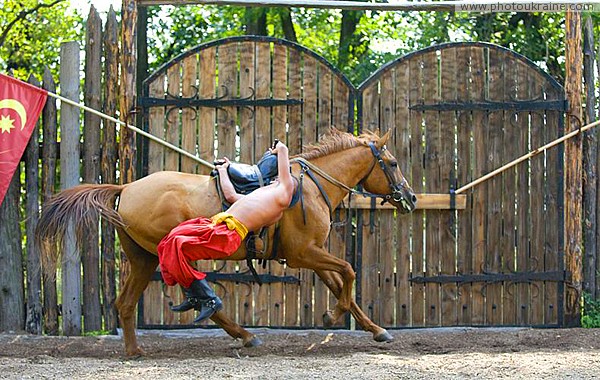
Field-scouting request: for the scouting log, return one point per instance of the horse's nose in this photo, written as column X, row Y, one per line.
column 414, row 199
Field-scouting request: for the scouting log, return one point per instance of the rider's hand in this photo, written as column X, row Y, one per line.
column 222, row 164
column 279, row 147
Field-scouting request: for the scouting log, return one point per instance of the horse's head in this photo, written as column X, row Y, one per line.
column 386, row 178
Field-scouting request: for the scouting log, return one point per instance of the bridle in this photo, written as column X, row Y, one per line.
column 396, row 194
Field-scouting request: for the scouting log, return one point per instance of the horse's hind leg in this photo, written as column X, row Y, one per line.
column 142, row 264
column 235, row 330
column 334, row 282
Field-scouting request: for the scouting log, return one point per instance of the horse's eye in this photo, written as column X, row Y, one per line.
column 394, row 164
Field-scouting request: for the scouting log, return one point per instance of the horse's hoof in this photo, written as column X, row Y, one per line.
column 254, row 342
column 383, row 336
column 135, row 354
column 328, row 320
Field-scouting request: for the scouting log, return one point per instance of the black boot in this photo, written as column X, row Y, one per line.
column 188, row 303
column 204, row 299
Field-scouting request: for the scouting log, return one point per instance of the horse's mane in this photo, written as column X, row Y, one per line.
column 336, row 141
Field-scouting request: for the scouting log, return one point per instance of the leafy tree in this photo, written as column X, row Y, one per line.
column 31, row 32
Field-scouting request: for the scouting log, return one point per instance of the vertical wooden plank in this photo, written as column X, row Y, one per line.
column 309, row 109
column 247, row 73
column 262, row 85
column 479, row 197
column 189, row 127
column 537, row 239
column 11, row 254
column 154, row 304
column 206, row 136
column 156, row 126
column 69, row 165
column 447, row 228
column 91, row 168
column 368, row 273
column 590, row 158
column 433, row 183
column 109, row 168
column 464, row 259
column 33, row 317
column 49, row 157
column 573, row 169
column 553, row 213
column 321, row 292
column 309, row 135
column 262, row 142
column 509, row 195
column 294, row 84
column 324, row 100
column 403, row 222
column 387, row 257
column 279, row 82
column 341, row 115
column 226, row 127
column 493, row 291
column 523, row 222
column 172, row 127
column 416, row 148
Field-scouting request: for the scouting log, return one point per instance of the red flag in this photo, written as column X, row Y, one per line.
column 20, row 108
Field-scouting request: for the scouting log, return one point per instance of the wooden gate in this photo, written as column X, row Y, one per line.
column 457, row 111
column 460, row 111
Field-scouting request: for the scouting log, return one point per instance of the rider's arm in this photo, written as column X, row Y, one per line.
column 283, row 168
column 228, row 190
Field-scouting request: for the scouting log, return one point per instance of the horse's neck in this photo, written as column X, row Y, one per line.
column 349, row 167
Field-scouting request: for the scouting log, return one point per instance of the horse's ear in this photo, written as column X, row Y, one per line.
column 383, row 139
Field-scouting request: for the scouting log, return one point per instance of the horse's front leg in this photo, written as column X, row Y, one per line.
column 234, row 330
column 334, row 283
column 319, row 260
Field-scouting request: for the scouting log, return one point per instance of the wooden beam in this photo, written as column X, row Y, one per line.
column 421, row 6
column 573, row 170
column 424, row 202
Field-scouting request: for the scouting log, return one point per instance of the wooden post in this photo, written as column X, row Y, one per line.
column 573, row 170
column 91, row 168
column 109, row 164
column 127, row 158
column 69, row 166
column 48, row 180
column 128, row 87
column 12, row 316
column 590, row 157
column 33, row 321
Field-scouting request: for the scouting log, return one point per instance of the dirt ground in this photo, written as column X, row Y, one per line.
column 448, row 353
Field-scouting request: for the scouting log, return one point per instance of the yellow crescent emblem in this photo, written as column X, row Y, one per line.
column 18, row 107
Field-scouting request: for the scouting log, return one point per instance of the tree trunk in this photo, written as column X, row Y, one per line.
column 348, row 40
column 256, row 21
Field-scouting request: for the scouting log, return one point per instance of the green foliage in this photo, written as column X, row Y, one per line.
column 379, row 37
column 32, row 40
column 590, row 317
column 97, row 333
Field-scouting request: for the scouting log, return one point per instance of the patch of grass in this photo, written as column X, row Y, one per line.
column 96, row 333
column 590, row 316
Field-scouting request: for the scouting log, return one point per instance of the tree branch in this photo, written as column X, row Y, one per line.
column 21, row 16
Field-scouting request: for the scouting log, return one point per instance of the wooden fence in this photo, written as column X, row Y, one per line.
column 457, row 111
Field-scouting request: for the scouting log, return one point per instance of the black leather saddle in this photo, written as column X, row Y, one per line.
column 246, row 178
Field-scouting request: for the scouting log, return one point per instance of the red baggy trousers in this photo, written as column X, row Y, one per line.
column 194, row 239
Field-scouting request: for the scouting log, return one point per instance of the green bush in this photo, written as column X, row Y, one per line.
column 590, row 317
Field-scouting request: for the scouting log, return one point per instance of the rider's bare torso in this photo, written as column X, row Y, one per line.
column 264, row 206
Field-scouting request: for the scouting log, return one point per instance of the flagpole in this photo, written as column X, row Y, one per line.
column 135, row 129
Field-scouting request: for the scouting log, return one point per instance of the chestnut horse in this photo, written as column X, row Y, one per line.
column 150, row 207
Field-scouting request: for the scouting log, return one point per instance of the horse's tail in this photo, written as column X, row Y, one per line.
column 78, row 206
